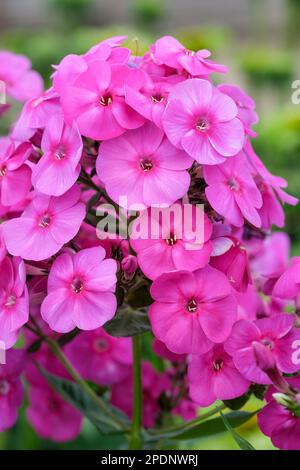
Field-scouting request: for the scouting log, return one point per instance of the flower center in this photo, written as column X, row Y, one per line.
column 45, row 221
column 192, row 306
column 11, row 301
column 77, row 286
column 202, row 124
column 172, row 240
column 60, row 153
column 218, row 364
column 101, row 345
column 146, row 165
column 4, row 387
column 157, row 98
column 2, row 171
column 267, row 342
column 105, row 100
column 233, row 184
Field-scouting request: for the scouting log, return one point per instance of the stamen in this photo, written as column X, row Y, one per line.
column 3, row 171
column 157, row 98
column 77, row 286
column 105, row 100
column 192, row 306
column 11, row 300
column 172, row 240
column 146, row 165
column 202, row 125
column 218, row 364
column 45, row 221
column 60, row 153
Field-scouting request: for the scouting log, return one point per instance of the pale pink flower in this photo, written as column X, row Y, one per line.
column 80, row 291
column 232, row 192
column 203, row 121
column 45, row 226
column 169, row 51
column 276, row 333
column 51, row 416
column 192, row 310
column 143, row 166
column 213, row 376
column 181, row 242
column 101, row 358
column 11, row 388
column 58, row 169
column 14, row 302
column 21, row 82
column 15, row 174
column 96, row 100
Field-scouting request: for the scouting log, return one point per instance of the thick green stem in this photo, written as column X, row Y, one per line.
column 135, row 438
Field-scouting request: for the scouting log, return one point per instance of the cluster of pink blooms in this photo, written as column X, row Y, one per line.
column 139, row 132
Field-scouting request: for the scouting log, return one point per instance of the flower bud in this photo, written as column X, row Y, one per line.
column 129, row 265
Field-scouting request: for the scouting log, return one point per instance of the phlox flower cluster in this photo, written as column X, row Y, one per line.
column 138, row 133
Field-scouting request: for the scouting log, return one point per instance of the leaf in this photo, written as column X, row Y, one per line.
column 206, row 428
column 237, row 403
column 139, row 296
column 128, row 323
column 241, row 442
column 80, row 399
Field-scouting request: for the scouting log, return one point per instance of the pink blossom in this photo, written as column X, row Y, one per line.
column 280, row 423
column 276, row 333
column 288, row 284
column 35, row 115
column 143, row 166
column 181, row 243
column 15, row 174
column 203, row 121
column 21, row 82
column 45, row 226
column 14, row 302
column 162, row 351
column 51, row 416
column 11, row 388
column 96, row 101
column 58, row 169
column 245, row 104
column 169, row 51
column 235, row 264
column 213, row 376
column 150, row 101
column 101, row 358
column 232, row 192
column 154, row 384
column 80, row 291
column 188, row 314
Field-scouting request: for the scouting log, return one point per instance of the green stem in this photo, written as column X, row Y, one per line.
column 135, row 438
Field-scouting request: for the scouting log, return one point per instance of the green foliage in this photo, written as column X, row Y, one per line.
column 148, row 12
column 127, row 323
column 241, row 442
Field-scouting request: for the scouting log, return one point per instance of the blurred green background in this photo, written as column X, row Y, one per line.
column 260, row 42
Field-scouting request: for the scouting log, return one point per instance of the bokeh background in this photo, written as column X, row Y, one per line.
column 260, row 42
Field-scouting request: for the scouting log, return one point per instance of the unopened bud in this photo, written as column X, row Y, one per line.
column 264, row 358
column 129, row 265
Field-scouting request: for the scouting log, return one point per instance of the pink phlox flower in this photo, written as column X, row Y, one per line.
column 192, row 310
column 169, row 51
column 58, row 169
column 45, row 226
column 288, row 284
column 101, row 358
column 203, row 121
column 80, row 291
column 96, row 100
column 232, row 192
column 11, row 388
column 143, row 166
column 21, row 82
column 175, row 243
column 276, row 333
column 14, row 301
column 213, row 376
column 15, row 173
column 279, row 423
column 245, row 104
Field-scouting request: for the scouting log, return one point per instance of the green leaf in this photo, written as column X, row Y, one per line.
column 128, row 323
column 241, row 442
column 237, row 403
column 204, row 429
column 81, row 400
